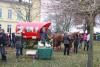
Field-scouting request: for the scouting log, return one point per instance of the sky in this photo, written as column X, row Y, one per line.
column 96, row 29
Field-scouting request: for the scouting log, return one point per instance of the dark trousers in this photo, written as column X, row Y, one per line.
column 3, row 53
column 12, row 44
column 80, row 44
column 21, row 51
column 75, row 48
column 66, row 47
column 86, row 45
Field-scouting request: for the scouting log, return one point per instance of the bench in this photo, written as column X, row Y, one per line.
column 31, row 53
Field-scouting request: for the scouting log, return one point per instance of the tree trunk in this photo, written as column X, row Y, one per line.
column 90, row 50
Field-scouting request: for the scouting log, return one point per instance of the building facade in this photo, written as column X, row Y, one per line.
column 13, row 12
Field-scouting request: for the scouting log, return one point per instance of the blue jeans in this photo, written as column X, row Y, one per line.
column 17, row 52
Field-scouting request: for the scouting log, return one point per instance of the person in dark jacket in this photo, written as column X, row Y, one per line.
column 2, row 44
column 13, row 39
column 76, row 43
column 43, row 35
column 18, row 45
column 66, row 43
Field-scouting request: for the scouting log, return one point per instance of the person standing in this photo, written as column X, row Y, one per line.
column 81, row 41
column 13, row 40
column 43, row 35
column 22, row 45
column 18, row 45
column 2, row 45
column 76, row 43
column 85, row 40
column 66, row 44
column 88, row 41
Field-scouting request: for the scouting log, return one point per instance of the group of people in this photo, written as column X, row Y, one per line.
column 77, row 40
column 17, row 40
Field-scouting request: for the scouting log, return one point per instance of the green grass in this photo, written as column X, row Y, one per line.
column 97, row 54
column 57, row 60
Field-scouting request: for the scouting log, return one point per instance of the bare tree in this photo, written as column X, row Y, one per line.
column 26, row 9
column 63, row 12
column 88, row 9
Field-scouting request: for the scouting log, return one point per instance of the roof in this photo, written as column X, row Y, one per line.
column 40, row 25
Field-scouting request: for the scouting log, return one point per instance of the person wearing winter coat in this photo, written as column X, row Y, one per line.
column 76, row 43
column 13, row 40
column 18, row 45
column 66, row 40
column 3, row 45
column 43, row 35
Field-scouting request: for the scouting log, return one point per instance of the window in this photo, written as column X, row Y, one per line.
column 9, row 28
column 20, row 29
column 29, row 29
column 9, row 13
column 36, row 29
column 19, row 15
column 0, row 12
column 27, row 17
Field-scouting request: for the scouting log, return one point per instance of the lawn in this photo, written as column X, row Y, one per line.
column 57, row 60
